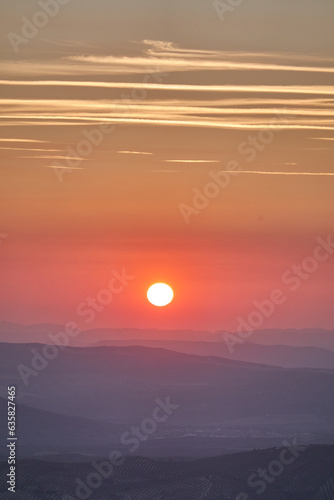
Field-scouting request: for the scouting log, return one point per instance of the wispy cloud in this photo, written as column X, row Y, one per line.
column 235, row 106
column 31, row 149
column 192, row 161
column 167, row 57
column 213, row 113
column 262, row 172
column 61, row 167
column 163, row 47
column 276, row 89
column 205, row 122
column 134, row 153
column 48, row 157
column 139, row 64
column 22, row 140
column 170, row 57
column 322, row 138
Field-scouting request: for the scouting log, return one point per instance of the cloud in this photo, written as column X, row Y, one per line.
column 320, row 90
column 134, row 152
column 192, row 161
column 48, row 157
column 112, row 64
column 322, row 138
column 73, row 121
column 164, row 56
column 31, row 149
column 225, row 106
column 169, row 57
column 62, row 167
column 22, row 140
column 262, row 172
column 312, row 114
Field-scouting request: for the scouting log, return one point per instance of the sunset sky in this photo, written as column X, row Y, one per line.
column 166, row 95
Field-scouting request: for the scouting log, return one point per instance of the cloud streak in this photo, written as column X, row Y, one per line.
column 22, row 140
column 32, row 149
column 168, row 57
column 264, row 172
column 192, row 161
column 134, row 152
column 276, row 89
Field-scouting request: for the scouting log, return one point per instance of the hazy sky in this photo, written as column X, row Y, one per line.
column 148, row 102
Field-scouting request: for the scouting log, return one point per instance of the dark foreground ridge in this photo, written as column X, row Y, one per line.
column 296, row 473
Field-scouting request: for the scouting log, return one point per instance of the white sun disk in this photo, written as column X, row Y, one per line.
column 160, row 294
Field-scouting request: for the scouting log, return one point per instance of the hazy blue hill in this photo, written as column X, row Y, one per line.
column 16, row 333
column 48, row 433
column 316, row 337
column 277, row 355
column 119, row 377
column 219, row 400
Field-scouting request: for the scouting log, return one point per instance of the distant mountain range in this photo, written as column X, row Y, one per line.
column 119, row 386
column 43, row 433
column 276, row 355
column 17, row 333
column 309, row 348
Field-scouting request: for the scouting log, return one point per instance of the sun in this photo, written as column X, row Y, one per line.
column 160, row 294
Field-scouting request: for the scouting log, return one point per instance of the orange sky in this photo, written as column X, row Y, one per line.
column 161, row 112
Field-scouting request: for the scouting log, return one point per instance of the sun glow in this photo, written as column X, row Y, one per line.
column 160, row 294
